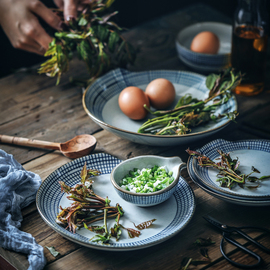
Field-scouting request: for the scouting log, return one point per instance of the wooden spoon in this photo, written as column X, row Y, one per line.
column 79, row 146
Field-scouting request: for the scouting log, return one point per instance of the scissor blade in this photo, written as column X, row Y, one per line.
column 215, row 223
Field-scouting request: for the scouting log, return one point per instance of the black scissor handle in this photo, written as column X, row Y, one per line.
column 239, row 231
column 235, row 243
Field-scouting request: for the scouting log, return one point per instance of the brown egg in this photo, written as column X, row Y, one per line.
column 205, row 42
column 161, row 93
column 131, row 101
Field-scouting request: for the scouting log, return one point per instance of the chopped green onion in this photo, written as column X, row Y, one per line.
column 147, row 180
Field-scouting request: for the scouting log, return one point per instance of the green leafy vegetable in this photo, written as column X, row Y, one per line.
column 191, row 112
column 96, row 40
column 204, row 241
column 88, row 207
column 229, row 175
column 147, row 180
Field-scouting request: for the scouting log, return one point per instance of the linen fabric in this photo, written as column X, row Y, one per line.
column 18, row 189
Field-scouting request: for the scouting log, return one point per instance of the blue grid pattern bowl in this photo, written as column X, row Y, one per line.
column 100, row 102
column 173, row 164
column 205, row 62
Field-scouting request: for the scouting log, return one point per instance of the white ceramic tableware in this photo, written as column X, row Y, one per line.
column 171, row 216
column 201, row 62
column 249, row 153
column 174, row 164
column 100, row 101
column 226, row 196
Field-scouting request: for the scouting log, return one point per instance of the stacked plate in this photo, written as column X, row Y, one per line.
column 250, row 153
column 202, row 62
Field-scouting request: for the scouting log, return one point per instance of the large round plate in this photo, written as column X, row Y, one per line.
column 171, row 216
column 100, row 101
column 250, row 153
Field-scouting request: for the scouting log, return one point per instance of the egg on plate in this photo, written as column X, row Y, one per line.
column 161, row 93
column 205, row 42
column 131, row 102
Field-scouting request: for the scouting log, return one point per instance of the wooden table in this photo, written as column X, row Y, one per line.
column 33, row 107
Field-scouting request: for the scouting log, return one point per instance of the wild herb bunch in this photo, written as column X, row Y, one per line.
column 229, row 174
column 94, row 38
column 190, row 112
column 88, row 207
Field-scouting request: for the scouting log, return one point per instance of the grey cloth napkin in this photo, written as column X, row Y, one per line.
column 18, row 189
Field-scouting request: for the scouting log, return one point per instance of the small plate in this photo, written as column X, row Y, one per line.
column 250, row 153
column 171, row 216
column 100, row 101
column 205, row 62
column 223, row 196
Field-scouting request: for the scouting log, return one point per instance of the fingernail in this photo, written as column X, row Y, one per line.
column 71, row 19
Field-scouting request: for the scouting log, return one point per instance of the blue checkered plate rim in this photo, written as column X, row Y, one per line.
column 100, row 101
column 250, row 153
column 171, row 216
column 221, row 195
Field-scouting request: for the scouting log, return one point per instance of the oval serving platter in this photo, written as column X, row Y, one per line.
column 100, row 101
column 171, row 216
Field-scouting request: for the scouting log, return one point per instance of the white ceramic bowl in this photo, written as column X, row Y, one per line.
column 174, row 164
column 100, row 102
column 205, row 62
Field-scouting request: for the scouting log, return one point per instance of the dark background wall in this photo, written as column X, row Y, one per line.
column 131, row 13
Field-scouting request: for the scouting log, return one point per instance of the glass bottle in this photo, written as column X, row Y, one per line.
column 249, row 45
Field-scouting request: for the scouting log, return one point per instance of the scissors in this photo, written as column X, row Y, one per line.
column 227, row 231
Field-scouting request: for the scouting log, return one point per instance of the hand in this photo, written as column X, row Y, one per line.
column 70, row 7
column 19, row 20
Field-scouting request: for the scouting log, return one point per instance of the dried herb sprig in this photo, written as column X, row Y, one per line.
column 95, row 38
column 204, row 241
column 87, row 207
column 191, row 112
column 229, row 175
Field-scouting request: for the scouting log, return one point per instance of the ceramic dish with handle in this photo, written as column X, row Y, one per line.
column 205, row 62
column 100, row 101
column 249, row 153
column 173, row 164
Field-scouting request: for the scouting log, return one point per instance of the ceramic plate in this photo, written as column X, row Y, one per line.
column 250, row 153
column 205, row 62
column 171, row 216
column 224, row 196
column 100, row 101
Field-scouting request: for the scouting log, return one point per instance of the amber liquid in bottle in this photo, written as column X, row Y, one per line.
column 249, row 48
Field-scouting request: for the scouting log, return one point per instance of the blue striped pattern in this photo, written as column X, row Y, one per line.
column 214, row 61
column 146, row 200
column 210, row 150
column 49, row 197
column 106, row 89
column 111, row 84
column 221, row 195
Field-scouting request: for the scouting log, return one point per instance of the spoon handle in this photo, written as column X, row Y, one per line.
column 29, row 142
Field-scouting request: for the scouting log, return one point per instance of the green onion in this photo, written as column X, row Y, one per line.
column 147, row 180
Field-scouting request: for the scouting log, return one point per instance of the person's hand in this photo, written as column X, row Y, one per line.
column 70, row 7
column 19, row 20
